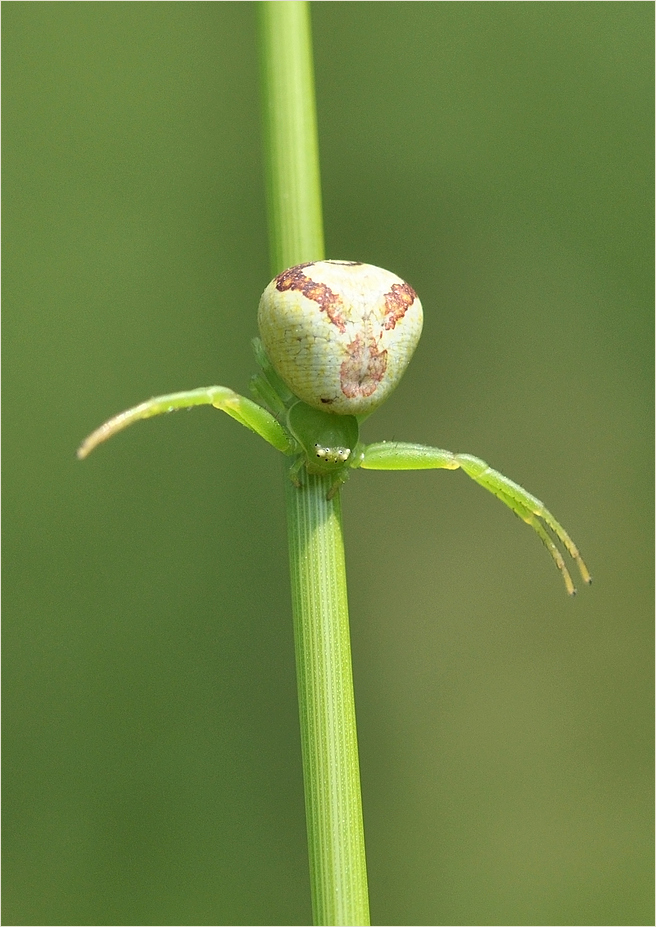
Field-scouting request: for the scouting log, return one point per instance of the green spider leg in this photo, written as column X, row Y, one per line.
column 245, row 411
column 397, row 456
column 267, row 386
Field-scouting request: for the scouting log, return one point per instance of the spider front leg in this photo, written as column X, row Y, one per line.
column 530, row 510
column 245, row 411
column 397, row 456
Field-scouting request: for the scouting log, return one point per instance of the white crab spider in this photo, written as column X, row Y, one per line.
column 336, row 339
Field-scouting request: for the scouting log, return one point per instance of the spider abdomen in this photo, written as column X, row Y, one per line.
column 340, row 333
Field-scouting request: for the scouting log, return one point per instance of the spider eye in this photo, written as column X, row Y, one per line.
column 332, row 454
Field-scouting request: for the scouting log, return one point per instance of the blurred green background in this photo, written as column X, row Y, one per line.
column 498, row 157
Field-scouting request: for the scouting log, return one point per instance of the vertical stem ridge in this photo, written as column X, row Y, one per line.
column 326, row 706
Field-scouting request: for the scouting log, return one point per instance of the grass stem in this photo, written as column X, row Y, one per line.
column 331, row 775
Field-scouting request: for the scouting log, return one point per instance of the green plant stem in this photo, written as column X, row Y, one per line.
column 331, row 775
column 290, row 130
column 326, row 705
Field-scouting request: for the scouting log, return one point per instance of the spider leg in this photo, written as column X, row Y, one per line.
column 244, row 411
column 395, row 455
column 399, row 456
column 529, row 518
column 529, row 509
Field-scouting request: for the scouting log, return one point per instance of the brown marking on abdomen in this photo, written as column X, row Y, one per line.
column 363, row 369
column 322, row 295
column 397, row 302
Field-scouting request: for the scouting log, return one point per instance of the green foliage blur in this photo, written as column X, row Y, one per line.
column 498, row 157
